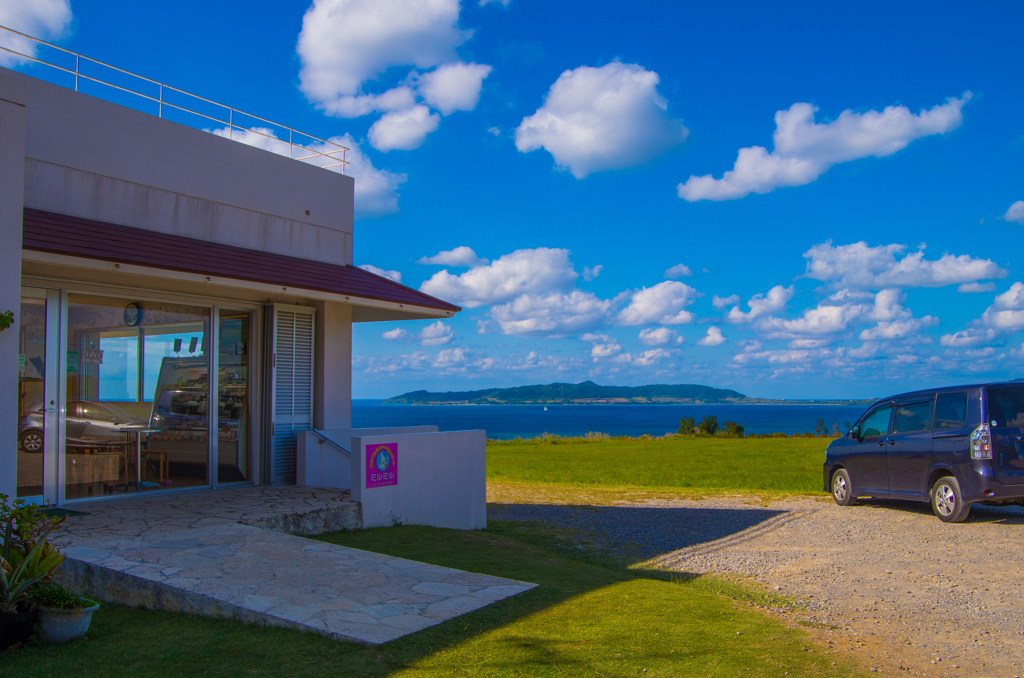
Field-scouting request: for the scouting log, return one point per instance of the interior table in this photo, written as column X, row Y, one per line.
column 138, row 453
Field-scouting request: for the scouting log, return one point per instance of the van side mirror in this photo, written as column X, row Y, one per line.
column 855, row 432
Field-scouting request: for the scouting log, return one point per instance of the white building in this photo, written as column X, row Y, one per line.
column 150, row 265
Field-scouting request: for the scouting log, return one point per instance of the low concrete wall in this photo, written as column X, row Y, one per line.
column 325, row 466
column 441, row 480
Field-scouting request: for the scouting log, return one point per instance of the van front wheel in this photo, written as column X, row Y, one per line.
column 947, row 502
column 842, row 489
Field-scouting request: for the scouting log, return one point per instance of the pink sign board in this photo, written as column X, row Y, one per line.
column 382, row 465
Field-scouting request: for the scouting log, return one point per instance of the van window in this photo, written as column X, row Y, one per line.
column 950, row 410
column 876, row 423
column 912, row 417
column 1006, row 406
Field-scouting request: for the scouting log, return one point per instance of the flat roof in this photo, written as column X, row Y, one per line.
column 70, row 236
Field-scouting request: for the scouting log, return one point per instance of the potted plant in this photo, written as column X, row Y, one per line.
column 62, row 614
column 26, row 559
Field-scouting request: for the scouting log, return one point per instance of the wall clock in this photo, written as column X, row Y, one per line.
column 132, row 315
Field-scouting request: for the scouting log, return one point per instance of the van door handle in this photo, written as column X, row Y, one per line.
column 892, row 442
column 881, row 444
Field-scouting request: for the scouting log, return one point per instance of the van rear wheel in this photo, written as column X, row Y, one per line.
column 947, row 501
column 842, row 488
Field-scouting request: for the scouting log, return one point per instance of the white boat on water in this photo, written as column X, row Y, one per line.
column 545, row 408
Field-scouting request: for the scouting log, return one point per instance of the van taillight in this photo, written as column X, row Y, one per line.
column 981, row 443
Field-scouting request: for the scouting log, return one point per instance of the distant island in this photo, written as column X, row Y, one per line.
column 589, row 393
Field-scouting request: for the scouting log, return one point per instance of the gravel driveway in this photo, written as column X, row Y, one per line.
column 903, row 591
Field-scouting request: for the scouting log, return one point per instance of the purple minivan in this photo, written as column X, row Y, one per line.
column 948, row 446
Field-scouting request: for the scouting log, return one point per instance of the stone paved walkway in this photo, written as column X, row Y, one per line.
column 201, row 553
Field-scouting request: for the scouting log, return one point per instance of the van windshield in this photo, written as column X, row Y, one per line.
column 1006, row 406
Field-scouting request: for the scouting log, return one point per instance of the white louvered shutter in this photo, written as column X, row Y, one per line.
column 293, row 386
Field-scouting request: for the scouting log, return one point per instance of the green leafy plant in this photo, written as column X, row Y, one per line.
column 731, row 429
column 708, row 425
column 6, row 320
column 26, row 558
column 686, row 426
column 59, row 597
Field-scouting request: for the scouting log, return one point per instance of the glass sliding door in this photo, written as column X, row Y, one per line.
column 137, row 396
column 37, row 397
column 234, row 403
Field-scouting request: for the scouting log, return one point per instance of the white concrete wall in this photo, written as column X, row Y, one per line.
column 91, row 158
column 12, row 176
column 442, row 481
column 324, row 466
column 332, row 365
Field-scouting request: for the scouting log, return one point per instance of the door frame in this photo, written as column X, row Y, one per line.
column 56, row 293
column 52, row 396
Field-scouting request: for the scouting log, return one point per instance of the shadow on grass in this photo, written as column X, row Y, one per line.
column 589, row 616
column 636, row 533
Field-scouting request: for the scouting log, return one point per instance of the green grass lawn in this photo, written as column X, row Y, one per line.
column 590, row 616
column 685, row 465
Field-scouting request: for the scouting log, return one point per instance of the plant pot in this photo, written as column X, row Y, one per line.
column 60, row 626
column 15, row 628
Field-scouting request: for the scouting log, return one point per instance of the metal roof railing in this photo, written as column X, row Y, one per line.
column 315, row 151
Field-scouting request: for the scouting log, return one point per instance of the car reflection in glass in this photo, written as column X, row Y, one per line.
column 88, row 423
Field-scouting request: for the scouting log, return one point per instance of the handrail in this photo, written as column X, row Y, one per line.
column 328, row 155
column 325, row 437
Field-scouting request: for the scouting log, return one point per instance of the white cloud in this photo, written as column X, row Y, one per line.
column 968, row 338
column 454, row 87
column 976, row 288
column 259, row 137
column 1007, row 313
column 462, row 361
column 436, row 334
column 553, row 314
column 346, row 43
column 522, row 272
column 591, row 273
column 44, row 19
column 659, row 336
column 722, row 302
column 596, row 119
column 860, row 266
column 1015, row 213
column 496, row 131
column 461, row 257
column 390, row 275
column 714, row 337
column 761, row 304
column 501, row 2
column 804, row 149
column 403, row 130
column 376, row 190
column 841, row 312
column 898, row 329
column 662, row 304
column 678, row 271
column 398, row 334
column 394, row 99
column 603, row 346
column 647, row 358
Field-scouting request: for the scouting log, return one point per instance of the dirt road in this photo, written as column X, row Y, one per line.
column 906, row 593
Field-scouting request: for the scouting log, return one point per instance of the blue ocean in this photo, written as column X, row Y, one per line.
column 503, row 422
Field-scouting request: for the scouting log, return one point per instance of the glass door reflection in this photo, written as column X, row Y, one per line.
column 137, row 415
column 233, row 448
column 33, row 407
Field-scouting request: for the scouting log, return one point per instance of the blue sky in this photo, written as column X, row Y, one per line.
column 540, row 155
